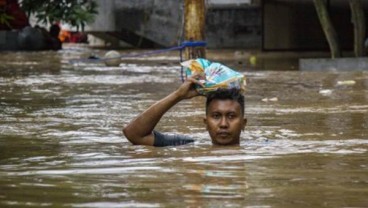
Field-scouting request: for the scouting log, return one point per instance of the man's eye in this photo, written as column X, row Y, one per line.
column 215, row 116
column 231, row 116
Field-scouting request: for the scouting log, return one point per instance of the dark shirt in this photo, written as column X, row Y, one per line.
column 162, row 140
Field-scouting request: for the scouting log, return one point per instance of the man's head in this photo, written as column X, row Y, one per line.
column 225, row 116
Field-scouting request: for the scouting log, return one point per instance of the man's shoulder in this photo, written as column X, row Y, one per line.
column 162, row 139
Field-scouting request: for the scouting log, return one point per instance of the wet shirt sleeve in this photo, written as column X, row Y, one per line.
column 162, row 140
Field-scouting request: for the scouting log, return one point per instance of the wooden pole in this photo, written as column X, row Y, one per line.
column 194, row 17
column 328, row 28
column 358, row 20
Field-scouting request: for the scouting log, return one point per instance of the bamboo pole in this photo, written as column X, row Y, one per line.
column 328, row 28
column 194, row 17
column 358, row 20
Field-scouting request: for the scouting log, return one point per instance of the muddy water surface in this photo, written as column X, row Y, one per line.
column 61, row 143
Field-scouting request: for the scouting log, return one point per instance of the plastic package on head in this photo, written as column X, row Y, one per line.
column 214, row 75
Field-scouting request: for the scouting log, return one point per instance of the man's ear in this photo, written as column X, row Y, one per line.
column 244, row 123
column 205, row 122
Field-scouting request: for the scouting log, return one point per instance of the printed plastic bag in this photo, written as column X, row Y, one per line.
column 214, row 75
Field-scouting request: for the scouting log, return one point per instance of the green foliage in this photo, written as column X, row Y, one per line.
column 5, row 19
column 74, row 12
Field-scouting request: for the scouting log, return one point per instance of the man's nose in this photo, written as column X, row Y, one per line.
column 224, row 123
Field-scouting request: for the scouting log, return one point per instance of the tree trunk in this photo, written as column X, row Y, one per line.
column 358, row 20
column 328, row 28
column 194, row 18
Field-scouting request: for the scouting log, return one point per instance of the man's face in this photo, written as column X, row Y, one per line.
column 224, row 121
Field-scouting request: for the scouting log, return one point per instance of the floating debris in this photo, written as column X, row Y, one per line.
column 253, row 60
column 274, row 99
column 346, row 82
column 325, row 92
column 112, row 58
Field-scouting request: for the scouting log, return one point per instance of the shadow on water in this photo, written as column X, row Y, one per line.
column 61, row 142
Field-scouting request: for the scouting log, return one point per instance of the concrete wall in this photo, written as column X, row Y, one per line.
column 161, row 21
column 337, row 64
column 105, row 20
column 234, row 28
column 286, row 25
column 9, row 40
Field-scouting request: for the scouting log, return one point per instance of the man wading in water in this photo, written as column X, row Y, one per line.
column 224, row 117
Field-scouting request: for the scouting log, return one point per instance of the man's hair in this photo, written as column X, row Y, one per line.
column 226, row 94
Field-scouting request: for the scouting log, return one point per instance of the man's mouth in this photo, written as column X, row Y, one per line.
column 223, row 134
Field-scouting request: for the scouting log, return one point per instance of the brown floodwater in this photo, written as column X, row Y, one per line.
column 61, row 143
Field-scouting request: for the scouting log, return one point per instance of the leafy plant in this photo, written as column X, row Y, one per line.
column 77, row 13
column 5, row 19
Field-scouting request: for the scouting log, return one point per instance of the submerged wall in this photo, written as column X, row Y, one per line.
column 161, row 22
column 9, row 40
column 337, row 64
column 234, row 27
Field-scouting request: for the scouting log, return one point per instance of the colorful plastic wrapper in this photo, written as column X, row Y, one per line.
column 214, row 75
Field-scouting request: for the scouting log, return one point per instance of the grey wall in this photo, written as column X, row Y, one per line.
column 161, row 21
column 105, row 20
column 9, row 40
column 234, row 27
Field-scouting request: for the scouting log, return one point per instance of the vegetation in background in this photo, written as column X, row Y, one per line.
column 5, row 19
column 77, row 13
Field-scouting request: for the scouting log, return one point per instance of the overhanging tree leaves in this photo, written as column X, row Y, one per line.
column 5, row 19
column 77, row 13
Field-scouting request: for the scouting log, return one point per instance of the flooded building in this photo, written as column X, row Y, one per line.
column 62, row 114
column 229, row 24
column 247, row 24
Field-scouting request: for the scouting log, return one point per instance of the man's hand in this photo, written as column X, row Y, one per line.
column 187, row 89
column 139, row 131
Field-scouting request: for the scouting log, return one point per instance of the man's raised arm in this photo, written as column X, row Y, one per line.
column 140, row 130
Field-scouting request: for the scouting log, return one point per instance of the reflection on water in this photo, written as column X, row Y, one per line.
column 61, row 142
